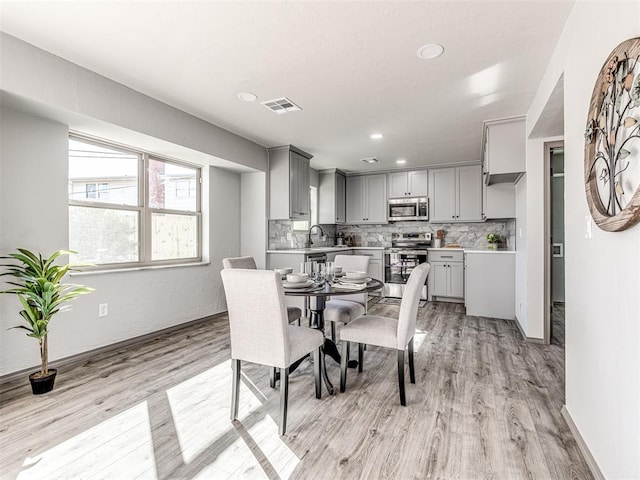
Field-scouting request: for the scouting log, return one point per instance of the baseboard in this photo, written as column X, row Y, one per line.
column 524, row 337
column 582, row 445
column 84, row 356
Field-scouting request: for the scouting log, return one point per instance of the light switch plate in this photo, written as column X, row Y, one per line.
column 588, row 230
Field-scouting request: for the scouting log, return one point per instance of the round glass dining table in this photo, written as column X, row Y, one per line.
column 318, row 294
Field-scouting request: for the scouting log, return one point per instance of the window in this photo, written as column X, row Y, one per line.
column 131, row 208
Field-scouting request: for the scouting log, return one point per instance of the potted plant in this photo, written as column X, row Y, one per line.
column 494, row 240
column 37, row 284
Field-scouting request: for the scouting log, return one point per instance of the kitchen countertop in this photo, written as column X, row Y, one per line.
column 322, row 249
column 469, row 250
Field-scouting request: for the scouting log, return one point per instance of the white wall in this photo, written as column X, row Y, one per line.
column 602, row 273
column 253, row 214
column 521, row 252
column 33, row 153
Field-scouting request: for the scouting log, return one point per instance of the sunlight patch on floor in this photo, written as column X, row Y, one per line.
column 200, row 408
column 90, row 454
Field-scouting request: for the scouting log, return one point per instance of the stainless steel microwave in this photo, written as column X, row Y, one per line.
column 403, row 209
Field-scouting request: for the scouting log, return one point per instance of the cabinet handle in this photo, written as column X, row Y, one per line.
column 447, row 256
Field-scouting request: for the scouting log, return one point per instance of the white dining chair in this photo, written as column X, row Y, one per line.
column 387, row 332
column 345, row 308
column 294, row 313
column 260, row 332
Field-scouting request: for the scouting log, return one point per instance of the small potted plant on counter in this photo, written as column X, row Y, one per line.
column 494, row 240
column 37, row 284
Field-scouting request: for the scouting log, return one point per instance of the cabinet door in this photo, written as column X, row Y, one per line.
column 398, row 184
column 455, row 286
column 469, row 186
column 375, row 200
column 303, row 187
column 438, row 275
column 499, row 200
column 442, row 197
column 417, row 183
column 341, row 216
column 355, row 196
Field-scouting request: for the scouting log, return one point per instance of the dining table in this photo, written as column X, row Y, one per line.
column 318, row 293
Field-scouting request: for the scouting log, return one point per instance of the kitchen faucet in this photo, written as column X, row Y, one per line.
column 308, row 243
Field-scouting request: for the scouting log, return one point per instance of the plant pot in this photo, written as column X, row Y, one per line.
column 491, row 246
column 40, row 385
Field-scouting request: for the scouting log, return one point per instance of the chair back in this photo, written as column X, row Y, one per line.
column 353, row 263
column 239, row 262
column 257, row 316
column 409, row 304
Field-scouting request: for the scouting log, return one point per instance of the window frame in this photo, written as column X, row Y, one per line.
column 143, row 208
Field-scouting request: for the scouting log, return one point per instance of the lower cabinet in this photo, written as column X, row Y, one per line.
column 490, row 282
column 446, row 278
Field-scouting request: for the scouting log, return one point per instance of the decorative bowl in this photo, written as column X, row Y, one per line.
column 356, row 275
column 283, row 270
column 297, row 277
column 337, row 269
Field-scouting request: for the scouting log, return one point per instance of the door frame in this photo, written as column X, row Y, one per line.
column 548, row 250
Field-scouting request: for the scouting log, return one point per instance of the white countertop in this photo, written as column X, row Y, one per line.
column 489, row 251
column 321, row 249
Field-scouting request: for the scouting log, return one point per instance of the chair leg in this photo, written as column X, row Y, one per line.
column 412, row 370
column 333, row 332
column 272, row 377
column 317, row 358
column 284, row 400
column 403, row 400
column 361, row 348
column 235, row 388
column 344, row 360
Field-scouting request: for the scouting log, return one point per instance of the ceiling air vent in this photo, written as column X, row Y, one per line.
column 370, row 160
column 281, row 105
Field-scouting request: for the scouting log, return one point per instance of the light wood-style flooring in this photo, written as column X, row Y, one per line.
column 486, row 406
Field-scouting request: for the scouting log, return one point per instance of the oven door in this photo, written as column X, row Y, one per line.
column 397, row 268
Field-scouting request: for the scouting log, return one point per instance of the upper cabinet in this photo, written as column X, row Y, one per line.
column 408, row 184
column 367, row 199
column 504, row 150
column 499, row 200
column 332, row 197
column 455, row 194
column 288, row 183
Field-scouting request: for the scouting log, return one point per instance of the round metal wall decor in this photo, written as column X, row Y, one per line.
column 612, row 141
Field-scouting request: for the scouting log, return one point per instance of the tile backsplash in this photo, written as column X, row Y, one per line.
column 467, row 235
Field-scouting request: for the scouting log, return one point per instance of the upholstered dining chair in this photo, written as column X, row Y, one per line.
column 260, row 332
column 387, row 332
column 294, row 313
column 347, row 307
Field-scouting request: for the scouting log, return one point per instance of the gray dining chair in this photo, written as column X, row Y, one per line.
column 294, row 313
column 387, row 332
column 260, row 332
column 347, row 307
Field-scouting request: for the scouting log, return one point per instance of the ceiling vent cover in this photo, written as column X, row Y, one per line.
column 370, row 160
column 281, row 105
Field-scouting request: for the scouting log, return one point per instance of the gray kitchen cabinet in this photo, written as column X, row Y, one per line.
column 332, row 197
column 408, row 184
column 504, row 150
column 446, row 278
column 367, row 199
column 494, row 298
column 288, row 183
column 455, row 194
column 498, row 200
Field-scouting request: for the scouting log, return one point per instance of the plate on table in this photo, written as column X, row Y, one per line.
column 355, row 280
column 305, row 284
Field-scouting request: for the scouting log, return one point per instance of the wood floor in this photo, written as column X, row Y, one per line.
column 486, row 406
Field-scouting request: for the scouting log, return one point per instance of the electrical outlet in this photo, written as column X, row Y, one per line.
column 380, row 238
column 289, row 236
column 103, row 310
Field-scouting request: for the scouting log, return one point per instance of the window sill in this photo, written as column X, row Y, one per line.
column 136, row 269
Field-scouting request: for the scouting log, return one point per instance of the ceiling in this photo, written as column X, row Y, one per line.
column 351, row 66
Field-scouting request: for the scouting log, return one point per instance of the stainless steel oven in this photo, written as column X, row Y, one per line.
column 407, row 251
column 403, row 209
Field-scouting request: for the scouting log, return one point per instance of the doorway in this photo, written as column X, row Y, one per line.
column 555, row 273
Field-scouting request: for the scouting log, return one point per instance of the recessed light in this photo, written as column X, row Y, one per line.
column 370, row 160
column 247, row 97
column 401, row 161
column 376, row 136
column 430, row 50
